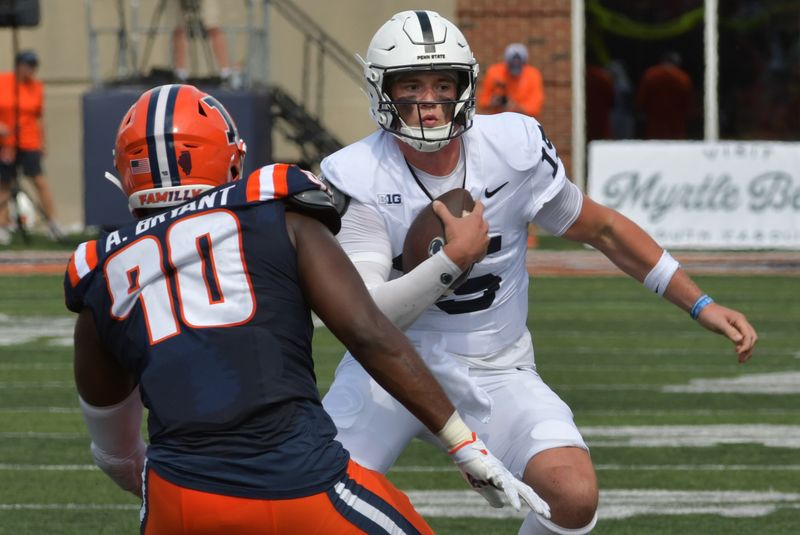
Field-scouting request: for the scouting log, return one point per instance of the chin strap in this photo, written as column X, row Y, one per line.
column 114, row 180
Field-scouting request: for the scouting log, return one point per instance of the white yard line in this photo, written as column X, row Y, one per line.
column 778, row 383
column 42, row 435
column 614, row 504
column 775, row 436
column 37, row 410
column 773, row 383
column 657, row 413
column 638, row 468
column 23, row 329
column 10, row 467
column 36, row 384
column 35, row 365
column 47, row 467
column 68, row 507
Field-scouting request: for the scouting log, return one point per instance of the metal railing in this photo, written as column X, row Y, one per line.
column 134, row 42
column 324, row 45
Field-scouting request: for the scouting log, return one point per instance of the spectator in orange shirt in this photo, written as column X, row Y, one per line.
column 665, row 99
column 599, row 101
column 21, row 139
column 512, row 85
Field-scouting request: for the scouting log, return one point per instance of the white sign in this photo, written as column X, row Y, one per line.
column 698, row 195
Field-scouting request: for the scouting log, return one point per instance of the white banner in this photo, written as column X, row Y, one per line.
column 697, row 195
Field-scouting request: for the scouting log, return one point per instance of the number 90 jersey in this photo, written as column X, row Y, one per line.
column 203, row 304
column 513, row 168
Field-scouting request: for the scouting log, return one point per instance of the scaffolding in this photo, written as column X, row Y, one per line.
column 134, row 33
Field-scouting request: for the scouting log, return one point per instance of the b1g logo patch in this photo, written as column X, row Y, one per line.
column 390, row 198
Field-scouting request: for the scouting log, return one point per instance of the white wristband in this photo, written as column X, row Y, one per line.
column 658, row 278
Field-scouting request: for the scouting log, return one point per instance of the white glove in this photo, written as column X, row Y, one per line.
column 127, row 472
column 484, row 472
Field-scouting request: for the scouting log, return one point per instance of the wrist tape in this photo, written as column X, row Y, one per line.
column 455, row 433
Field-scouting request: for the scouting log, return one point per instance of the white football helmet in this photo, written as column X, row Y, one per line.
column 420, row 41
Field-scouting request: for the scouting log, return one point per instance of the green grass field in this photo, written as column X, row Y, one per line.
column 685, row 440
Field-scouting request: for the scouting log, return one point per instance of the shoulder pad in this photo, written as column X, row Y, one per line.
column 317, row 204
column 340, row 200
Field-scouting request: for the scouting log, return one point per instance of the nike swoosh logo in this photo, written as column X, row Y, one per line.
column 492, row 192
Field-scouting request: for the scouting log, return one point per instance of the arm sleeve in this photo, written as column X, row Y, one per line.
column 365, row 240
column 560, row 212
column 117, row 445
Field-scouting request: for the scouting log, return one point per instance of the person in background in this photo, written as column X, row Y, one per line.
column 665, row 99
column 198, row 16
column 512, row 85
column 22, row 136
column 623, row 116
column 201, row 312
column 599, row 102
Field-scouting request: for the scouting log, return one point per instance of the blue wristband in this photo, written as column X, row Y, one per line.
column 702, row 302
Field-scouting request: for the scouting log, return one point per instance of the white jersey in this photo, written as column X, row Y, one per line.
column 513, row 169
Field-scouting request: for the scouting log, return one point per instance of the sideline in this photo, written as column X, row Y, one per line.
column 33, row 262
column 615, row 504
column 591, row 262
column 539, row 262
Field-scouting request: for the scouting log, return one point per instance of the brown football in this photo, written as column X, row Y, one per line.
column 425, row 236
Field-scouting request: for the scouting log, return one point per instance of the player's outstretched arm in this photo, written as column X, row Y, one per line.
column 631, row 249
column 337, row 294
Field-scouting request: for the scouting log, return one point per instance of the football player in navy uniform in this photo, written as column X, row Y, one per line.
column 201, row 312
column 420, row 77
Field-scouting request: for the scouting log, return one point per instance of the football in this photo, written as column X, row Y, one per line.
column 425, row 236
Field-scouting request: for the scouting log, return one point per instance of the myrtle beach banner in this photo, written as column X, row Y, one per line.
column 698, row 195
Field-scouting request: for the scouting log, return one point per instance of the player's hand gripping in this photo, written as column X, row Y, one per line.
column 467, row 237
column 484, row 472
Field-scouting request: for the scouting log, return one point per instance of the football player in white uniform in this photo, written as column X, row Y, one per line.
column 420, row 77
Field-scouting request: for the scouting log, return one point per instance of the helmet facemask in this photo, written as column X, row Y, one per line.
column 420, row 42
column 458, row 112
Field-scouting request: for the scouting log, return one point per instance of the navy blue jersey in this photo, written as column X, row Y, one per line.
column 203, row 304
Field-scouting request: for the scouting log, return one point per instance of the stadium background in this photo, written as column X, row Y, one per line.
column 685, row 441
column 756, row 39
